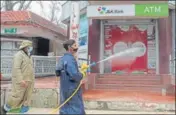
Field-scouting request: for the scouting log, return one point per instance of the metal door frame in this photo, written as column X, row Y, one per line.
column 128, row 22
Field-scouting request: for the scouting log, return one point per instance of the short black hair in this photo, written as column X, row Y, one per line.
column 68, row 43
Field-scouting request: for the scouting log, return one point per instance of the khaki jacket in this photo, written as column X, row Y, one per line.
column 22, row 68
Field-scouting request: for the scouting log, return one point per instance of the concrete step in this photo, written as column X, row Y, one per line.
column 119, row 81
column 129, row 87
column 128, row 78
column 150, row 83
column 130, row 75
column 48, row 110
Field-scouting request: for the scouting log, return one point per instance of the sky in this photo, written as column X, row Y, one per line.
column 35, row 7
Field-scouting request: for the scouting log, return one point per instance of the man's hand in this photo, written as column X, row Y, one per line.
column 23, row 83
column 83, row 69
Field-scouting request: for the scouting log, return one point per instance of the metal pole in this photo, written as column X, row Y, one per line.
column 101, row 66
column 89, row 62
column 74, row 21
column 157, row 47
column 173, row 42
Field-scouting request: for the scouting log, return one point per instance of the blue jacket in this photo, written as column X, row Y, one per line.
column 70, row 77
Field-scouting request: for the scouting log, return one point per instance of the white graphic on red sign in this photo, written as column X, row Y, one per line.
column 108, row 43
column 74, row 25
column 142, row 48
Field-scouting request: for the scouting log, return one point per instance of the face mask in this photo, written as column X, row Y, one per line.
column 29, row 50
column 75, row 50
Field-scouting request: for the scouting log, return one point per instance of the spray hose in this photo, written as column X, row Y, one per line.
column 84, row 67
column 56, row 109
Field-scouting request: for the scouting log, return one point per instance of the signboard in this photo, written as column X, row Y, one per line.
column 151, row 10
column 128, row 37
column 10, row 30
column 83, row 39
column 83, row 25
column 111, row 10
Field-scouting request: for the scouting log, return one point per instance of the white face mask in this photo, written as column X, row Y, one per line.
column 29, row 50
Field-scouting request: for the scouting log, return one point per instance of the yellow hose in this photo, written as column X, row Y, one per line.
column 56, row 109
column 84, row 68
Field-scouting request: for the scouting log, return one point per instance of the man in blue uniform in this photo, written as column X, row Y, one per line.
column 70, row 78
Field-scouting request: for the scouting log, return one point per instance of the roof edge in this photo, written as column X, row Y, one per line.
column 32, row 14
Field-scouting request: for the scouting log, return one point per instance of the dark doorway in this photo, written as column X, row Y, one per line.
column 42, row 46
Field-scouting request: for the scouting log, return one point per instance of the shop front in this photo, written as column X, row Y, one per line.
column 116, row 28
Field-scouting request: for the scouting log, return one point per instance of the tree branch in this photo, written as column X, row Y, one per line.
column 21, row 5
column 7, row 5
column 27, row 5
column 52, row 7
column 15, row 3
column 40, row 3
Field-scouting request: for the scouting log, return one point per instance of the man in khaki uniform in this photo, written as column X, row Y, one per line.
column 22, row 79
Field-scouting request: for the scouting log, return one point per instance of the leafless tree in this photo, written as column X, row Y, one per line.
column 9, row 5
column 54, row 9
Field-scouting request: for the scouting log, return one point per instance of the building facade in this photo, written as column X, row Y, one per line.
column 47, row 39
column 30, row 26
column 115, row 26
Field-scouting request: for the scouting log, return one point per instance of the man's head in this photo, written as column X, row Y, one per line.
column 71, row 46
column 26, row 46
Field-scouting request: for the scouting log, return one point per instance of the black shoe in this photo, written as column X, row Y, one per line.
column 3, row 111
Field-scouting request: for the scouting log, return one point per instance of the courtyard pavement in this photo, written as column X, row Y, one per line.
column 48, row 110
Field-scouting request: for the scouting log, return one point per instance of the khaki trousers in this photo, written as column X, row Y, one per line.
column 20, row 96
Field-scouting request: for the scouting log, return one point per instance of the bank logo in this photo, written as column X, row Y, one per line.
column 102, row 10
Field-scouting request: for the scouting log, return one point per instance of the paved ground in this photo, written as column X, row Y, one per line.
column 50, row 82
column 48, row 110
column 41, row 82
column 127, row 96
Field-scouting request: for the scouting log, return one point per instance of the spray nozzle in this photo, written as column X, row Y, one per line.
column 92, row 64
column 85, row 66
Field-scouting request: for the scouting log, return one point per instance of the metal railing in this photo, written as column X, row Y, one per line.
column 43, row 65
column 6, row 66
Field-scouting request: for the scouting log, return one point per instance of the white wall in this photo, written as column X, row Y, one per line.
column 56, row 46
